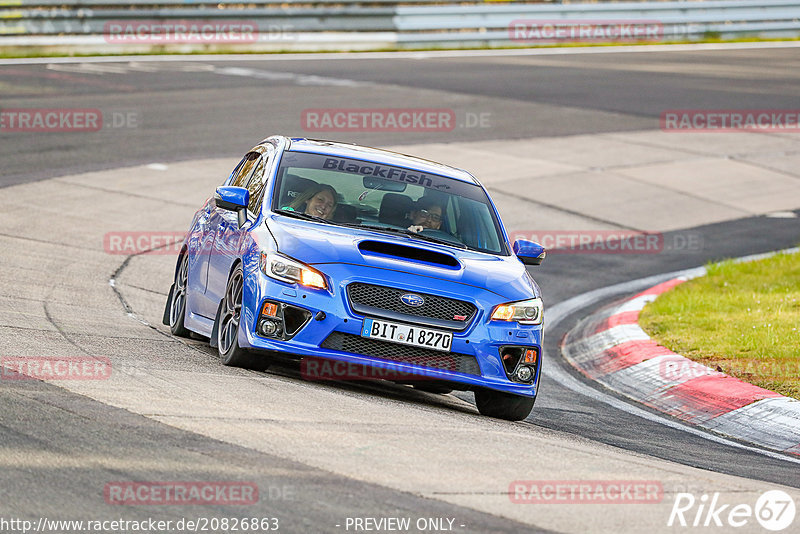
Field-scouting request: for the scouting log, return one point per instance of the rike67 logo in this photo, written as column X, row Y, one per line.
column 774, row 510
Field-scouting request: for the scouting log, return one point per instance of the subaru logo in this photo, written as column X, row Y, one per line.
column 410, row 299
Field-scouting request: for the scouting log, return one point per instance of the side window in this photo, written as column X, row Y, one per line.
column 245, row 168
column 256, row 186
column 229, row 180
column 257, row 182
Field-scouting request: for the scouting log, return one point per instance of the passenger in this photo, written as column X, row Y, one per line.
column 319, row 201
column 427, row 214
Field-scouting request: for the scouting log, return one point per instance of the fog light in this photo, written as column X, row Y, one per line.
column 524, row 373
column 269, row 328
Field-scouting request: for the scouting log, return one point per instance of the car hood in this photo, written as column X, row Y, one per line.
column 317, row 244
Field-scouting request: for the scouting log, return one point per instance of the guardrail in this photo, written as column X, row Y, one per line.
column 365, row 24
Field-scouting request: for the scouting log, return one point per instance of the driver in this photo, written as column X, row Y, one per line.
column 319, row 201
column 427, row 214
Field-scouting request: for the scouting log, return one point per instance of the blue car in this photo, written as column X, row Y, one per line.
column 368, row 259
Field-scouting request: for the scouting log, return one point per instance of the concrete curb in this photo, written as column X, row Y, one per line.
column 609, row 347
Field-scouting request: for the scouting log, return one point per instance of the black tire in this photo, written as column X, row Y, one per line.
column 176, row 304
column 227, row 329
column 503, row 405
column 433, row 387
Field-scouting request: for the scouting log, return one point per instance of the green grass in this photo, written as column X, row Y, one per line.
column 13, row 52
column 742, row 319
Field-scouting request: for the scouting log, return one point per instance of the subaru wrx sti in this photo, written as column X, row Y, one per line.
column 352, row 254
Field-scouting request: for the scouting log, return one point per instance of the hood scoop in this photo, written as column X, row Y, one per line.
column 406, row 253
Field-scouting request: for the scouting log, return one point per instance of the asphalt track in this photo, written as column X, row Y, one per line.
column 60, row 448
column 203, row 109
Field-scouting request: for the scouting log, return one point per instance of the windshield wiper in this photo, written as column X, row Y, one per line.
column 410, row 234
column 304, row 216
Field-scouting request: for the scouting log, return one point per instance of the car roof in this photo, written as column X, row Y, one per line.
column 351, row 150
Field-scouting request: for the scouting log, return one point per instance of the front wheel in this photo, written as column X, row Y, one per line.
column 228, row 324
column 503, row 405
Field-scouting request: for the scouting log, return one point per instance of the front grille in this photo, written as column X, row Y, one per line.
column 382, row 301
column 448, row 361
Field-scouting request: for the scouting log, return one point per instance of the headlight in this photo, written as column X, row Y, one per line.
column 288, row 270
column 525, row 312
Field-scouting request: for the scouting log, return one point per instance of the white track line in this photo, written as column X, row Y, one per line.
column 431, row 54
column 559, row 312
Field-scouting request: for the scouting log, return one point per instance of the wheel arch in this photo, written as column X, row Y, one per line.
column 184, row 250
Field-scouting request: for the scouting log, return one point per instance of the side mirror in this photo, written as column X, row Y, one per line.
column 232, row 198
column 528, row 252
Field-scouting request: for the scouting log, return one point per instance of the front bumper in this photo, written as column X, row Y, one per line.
column 474, row 360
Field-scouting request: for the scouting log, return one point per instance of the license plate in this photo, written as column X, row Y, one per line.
column 407, row 334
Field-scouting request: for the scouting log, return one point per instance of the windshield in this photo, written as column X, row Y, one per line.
column 353, row 192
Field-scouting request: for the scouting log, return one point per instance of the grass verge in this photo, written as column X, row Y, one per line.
column 34, row 51
column 741, row 318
